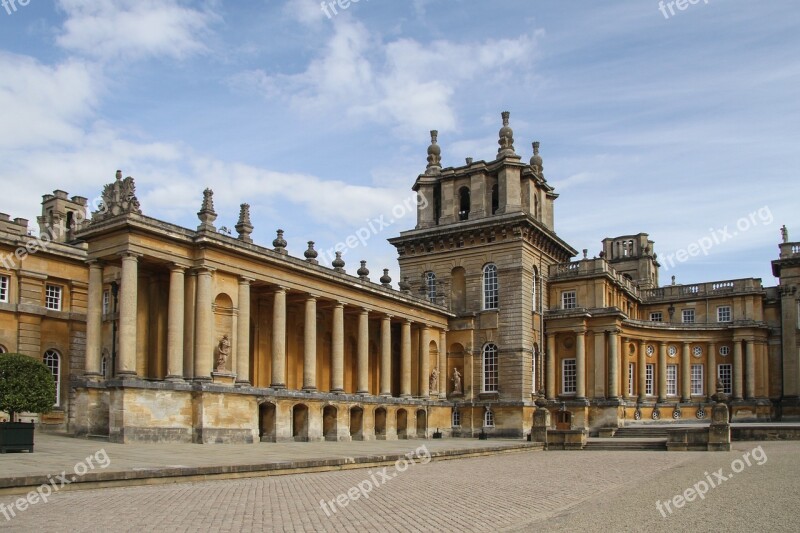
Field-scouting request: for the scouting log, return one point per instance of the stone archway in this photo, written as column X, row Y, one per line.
column 330, row 423
column 300, row 423
column 422, row 424
column 380, row 423
column 357, row 423
column 267, row 422
column 402, row 424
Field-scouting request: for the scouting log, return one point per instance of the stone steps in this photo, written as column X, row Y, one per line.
column 626, row 444
column 635, row 432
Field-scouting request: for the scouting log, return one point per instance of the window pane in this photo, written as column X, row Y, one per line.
column 490, row 377
column 490, row 287
column 569, row 376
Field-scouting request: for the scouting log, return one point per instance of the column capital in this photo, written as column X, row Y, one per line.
column 129, row 255
column 339, row 305
column 686, row 343
column 178, row 267
column 407, row 321
column 614, row 331
column 244, row 280
column 310, row 297
column 95, row 263
column 387, row 317
column 204, row 270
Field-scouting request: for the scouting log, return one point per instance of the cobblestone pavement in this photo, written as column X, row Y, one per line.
column 524, row 491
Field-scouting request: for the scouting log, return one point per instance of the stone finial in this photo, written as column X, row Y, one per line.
column 404, row 285
column 338, row 263
column 386, row 281
column 506, row 141
column 536, row 161
column 279, row 243
column 469, row 161
column 585, row 253
column 434, row 155
column 244, row 227
column 311, row 254
column 363, row 271
column 207, row 215
column 119, row 198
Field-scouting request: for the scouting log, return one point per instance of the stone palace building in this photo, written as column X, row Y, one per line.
column 155, row 332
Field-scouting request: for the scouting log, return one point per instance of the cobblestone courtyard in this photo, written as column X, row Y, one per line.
column 524, row 491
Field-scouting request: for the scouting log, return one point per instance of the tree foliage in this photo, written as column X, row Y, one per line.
column 26, row 385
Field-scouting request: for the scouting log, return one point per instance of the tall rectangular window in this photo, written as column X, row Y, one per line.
column 106, row 302
column 697, row 380
column 490, row 375
column 4, row 281
column 491, row 288
column 724, row 375
column 688, row 316
column 724, row 313
column 569, row 375
column 569, row 300
column 648, row 379
column 631, row 374
column 672, row 380
column 52, row 297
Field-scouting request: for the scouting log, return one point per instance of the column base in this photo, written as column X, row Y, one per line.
column 363, row 392
column 173, row 378
column 94, row 376
column 126, row 375
column 202, row 378
column 309, row 389
column 337, row 391
column 278, row 386
column 406, row 396
column 243, row 383
column 386, row 394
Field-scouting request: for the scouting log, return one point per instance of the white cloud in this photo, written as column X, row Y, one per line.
column 404, row 84
column 108, row 29
column 43, row 104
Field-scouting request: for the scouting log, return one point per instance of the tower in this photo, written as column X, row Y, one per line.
column 61, row 216
column 482, row 246
column 633, row 257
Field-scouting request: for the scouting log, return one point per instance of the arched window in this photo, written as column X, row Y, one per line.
column 490, row 287
column 53, row 361
column 430, row 286
column 104, row 366
column 490, row 373
column 488, row 418
column 456, row 418
column 463, row 203
column 3, row 349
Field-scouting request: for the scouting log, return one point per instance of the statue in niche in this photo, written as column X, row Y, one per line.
column 434, row 382
column 456, row 381
column 223, row 352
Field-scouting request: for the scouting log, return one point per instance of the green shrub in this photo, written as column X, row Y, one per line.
column 26, row 385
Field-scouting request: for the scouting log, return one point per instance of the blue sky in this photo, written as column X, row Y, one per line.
column 678, row 126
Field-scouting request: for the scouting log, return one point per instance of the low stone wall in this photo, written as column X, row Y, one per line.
column 566, row 439
column 766, row 432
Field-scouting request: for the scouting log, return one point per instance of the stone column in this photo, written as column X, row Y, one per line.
column 711, row 376
column 737, row 369
column 128, row 295
column 626, row 375
column 750, row 369
column 443, row 364
column 279, row 339
column 613, row 364
column 686, row 374
column 337, row 349
column 405, row 360
column 642, row 370
column 386, row 355
column 189, row 321
column 580, row 364
column 310, row 345
column 243, row 333
column 662, row 371
column 424, row 361
column 204, row 327
column 550, row 393
column 177, row 285
column 363, row 352
column 94, row 321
